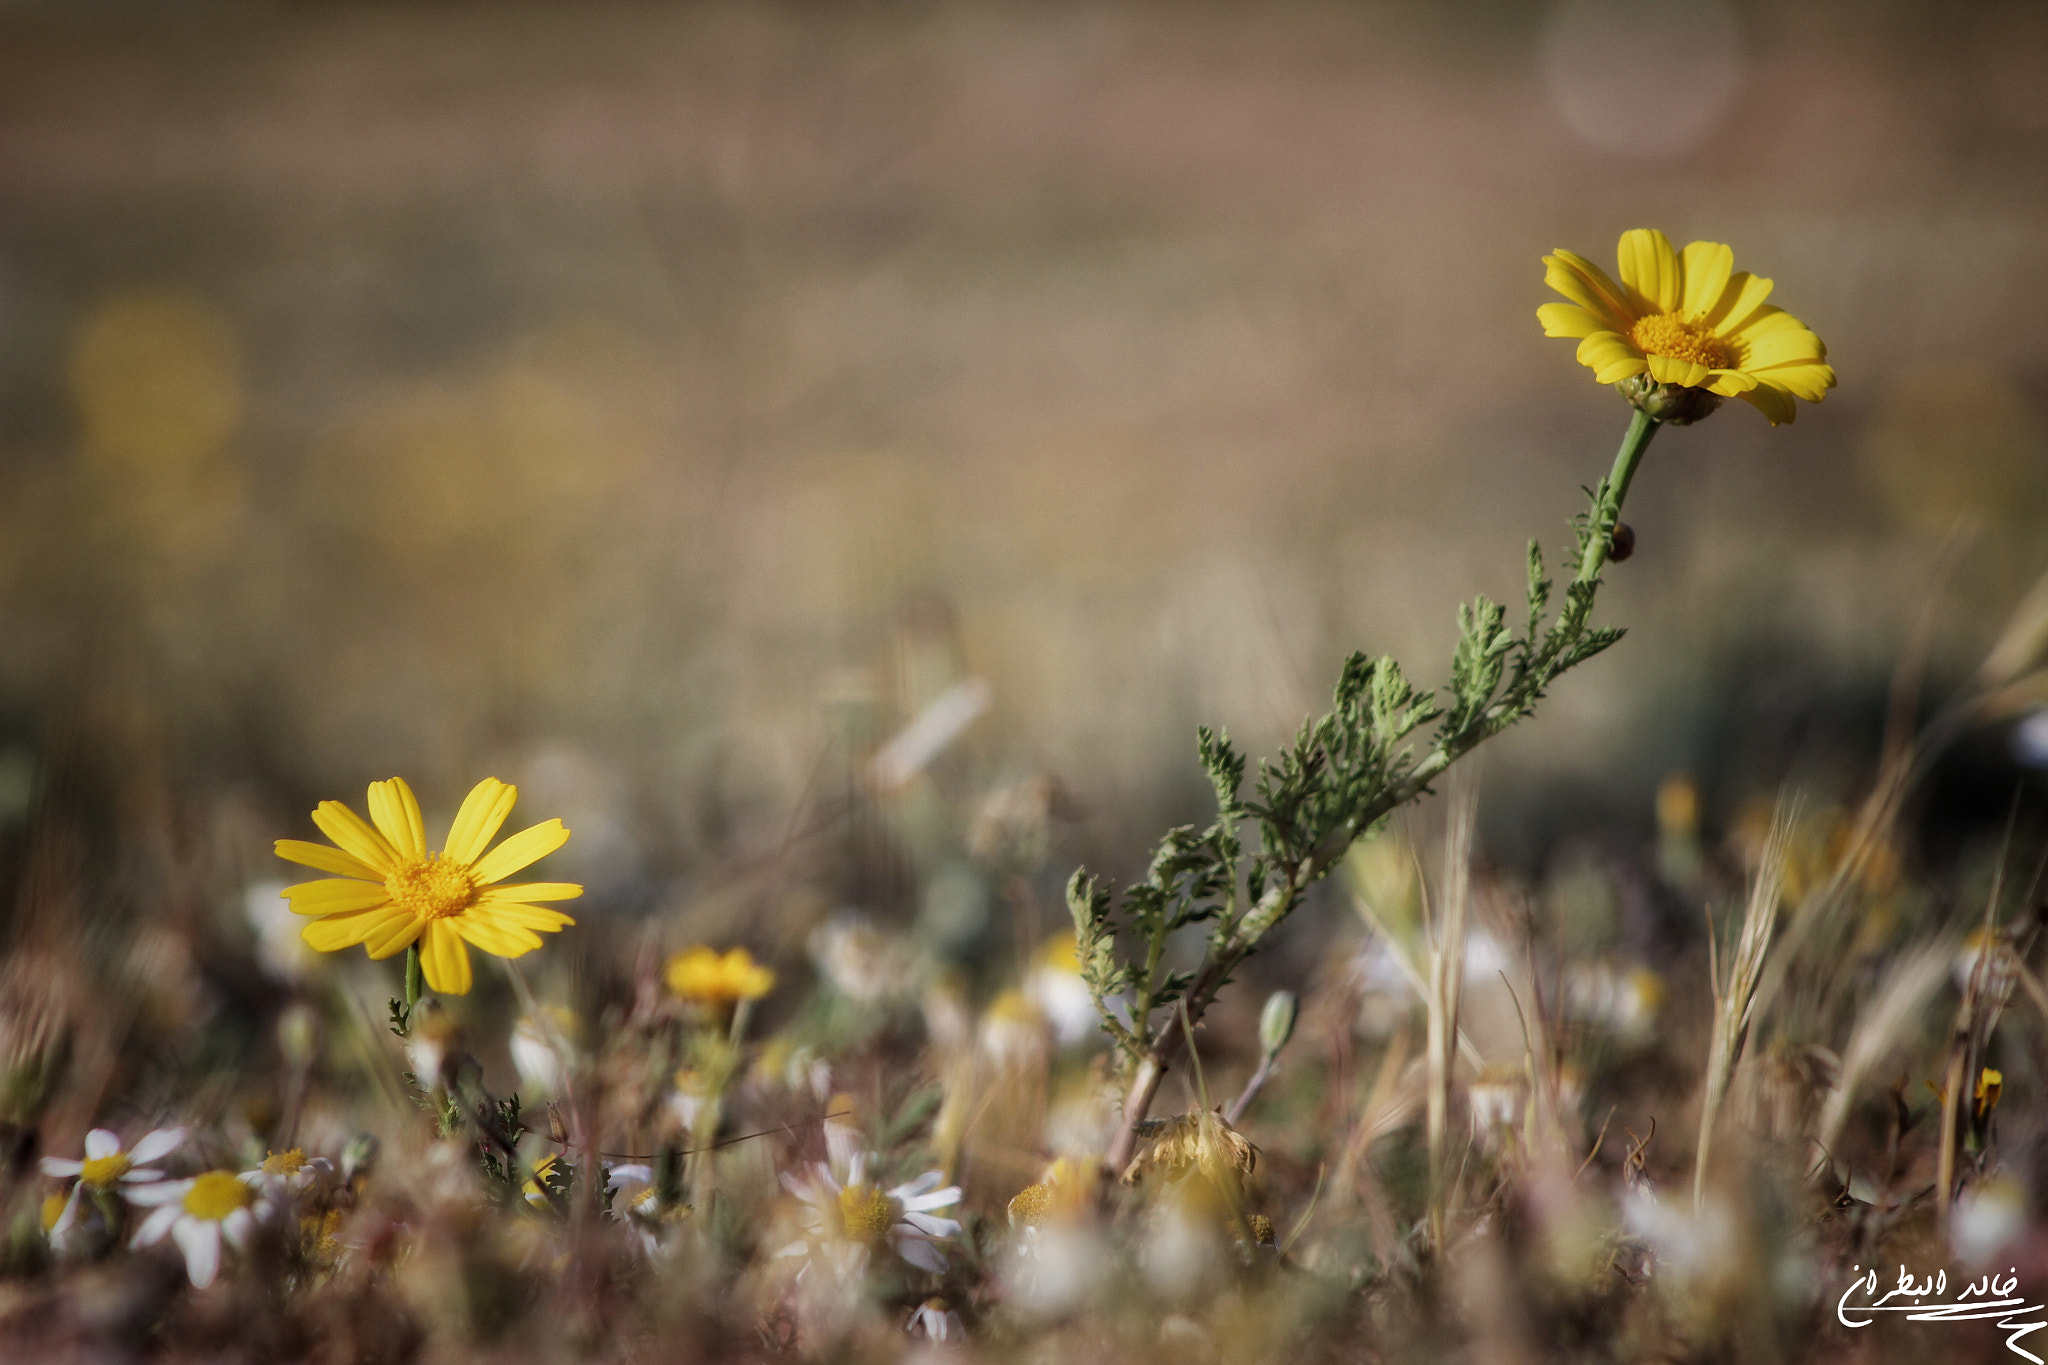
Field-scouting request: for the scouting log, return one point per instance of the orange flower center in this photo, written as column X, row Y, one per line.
column 431, row 888
column 1668, row 334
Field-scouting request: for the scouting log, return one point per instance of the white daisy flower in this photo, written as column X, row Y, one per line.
column 197, row 1214
column 106, row 1168
column 287, row 1173
column 845, row 1220
column 636, row 1201
column 933, row 1321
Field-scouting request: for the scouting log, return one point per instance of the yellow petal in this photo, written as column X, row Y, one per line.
column 1809, row 381
column 1670, row 369
column 1743, row 296
column 503, row 938
column 1781, row 345
column 482, row 815
column 397, row 935
column 1570, row 320
column 1649, row 270
column 1773, row 402
column 531, row 917
column 1587, row 285
column 397, row 816
column 326, row 859
column 348, row 830
column 1627, row 368
column 513, row 892
column 335, row 896
column 1604, row 348
column 445, row 959
column 1729, row 383
column 529, row 845
column 1706, row 267
column 345, row 931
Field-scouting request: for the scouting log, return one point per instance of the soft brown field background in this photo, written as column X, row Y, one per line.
column 657, row 404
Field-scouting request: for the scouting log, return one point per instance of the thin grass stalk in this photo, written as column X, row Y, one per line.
column 1898, row 1001
column 1413, row 974
column 1984, row 995
column 1735, row 993
column 1446, row 982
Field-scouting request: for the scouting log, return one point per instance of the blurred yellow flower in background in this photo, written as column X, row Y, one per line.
column 1686, row 319
column 705, row 975
column 393, row 893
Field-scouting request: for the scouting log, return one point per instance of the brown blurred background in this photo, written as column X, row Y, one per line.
column 661, row 405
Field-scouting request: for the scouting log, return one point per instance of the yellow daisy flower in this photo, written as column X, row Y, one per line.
column 703, row 974
column 393, row 893
column 1686, row 320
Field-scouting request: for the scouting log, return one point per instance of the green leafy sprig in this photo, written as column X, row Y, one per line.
column 1345, row 772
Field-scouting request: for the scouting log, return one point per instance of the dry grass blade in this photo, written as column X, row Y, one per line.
column 1735, row 994
column 1897, row 1004
column 1446, row 983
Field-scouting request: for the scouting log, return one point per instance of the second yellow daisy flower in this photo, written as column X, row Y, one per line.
column 392, row 892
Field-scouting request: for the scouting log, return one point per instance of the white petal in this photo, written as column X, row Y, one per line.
column 923, row 1184
column 236, row 1227
column 141, row 1177
column 161, row 1143
column 62, row 1166
column 919, row 1253
column 637, row 1172
column 857, row 1169
column 797, row 1187
column 932, row 1227
column 66, row 1218
column 199, row 1239
column 163, row 1192
column 156, row 1225
column 937, row 1199
column 794, row 1249
column 101, row 1142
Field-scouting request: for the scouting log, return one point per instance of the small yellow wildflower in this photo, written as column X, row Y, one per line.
column 393, row 892
column 1989, row 1082
column 539, row 1188
column 703, row 974
column 1686, row 320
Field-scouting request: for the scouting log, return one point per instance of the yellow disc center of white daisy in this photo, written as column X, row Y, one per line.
column 1031, row 1205
column 866, row 1213
column 431, row 888
column 215, row 1195
column 102, row 1171
column 1667, row 334
column 285, row 1163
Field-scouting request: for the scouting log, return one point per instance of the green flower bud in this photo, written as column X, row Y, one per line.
column 1276, row 1022
column 1674, row 405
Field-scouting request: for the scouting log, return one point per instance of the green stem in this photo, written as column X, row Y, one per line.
column 1155, row 1054
column 1607, row 508
column 415, row 979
